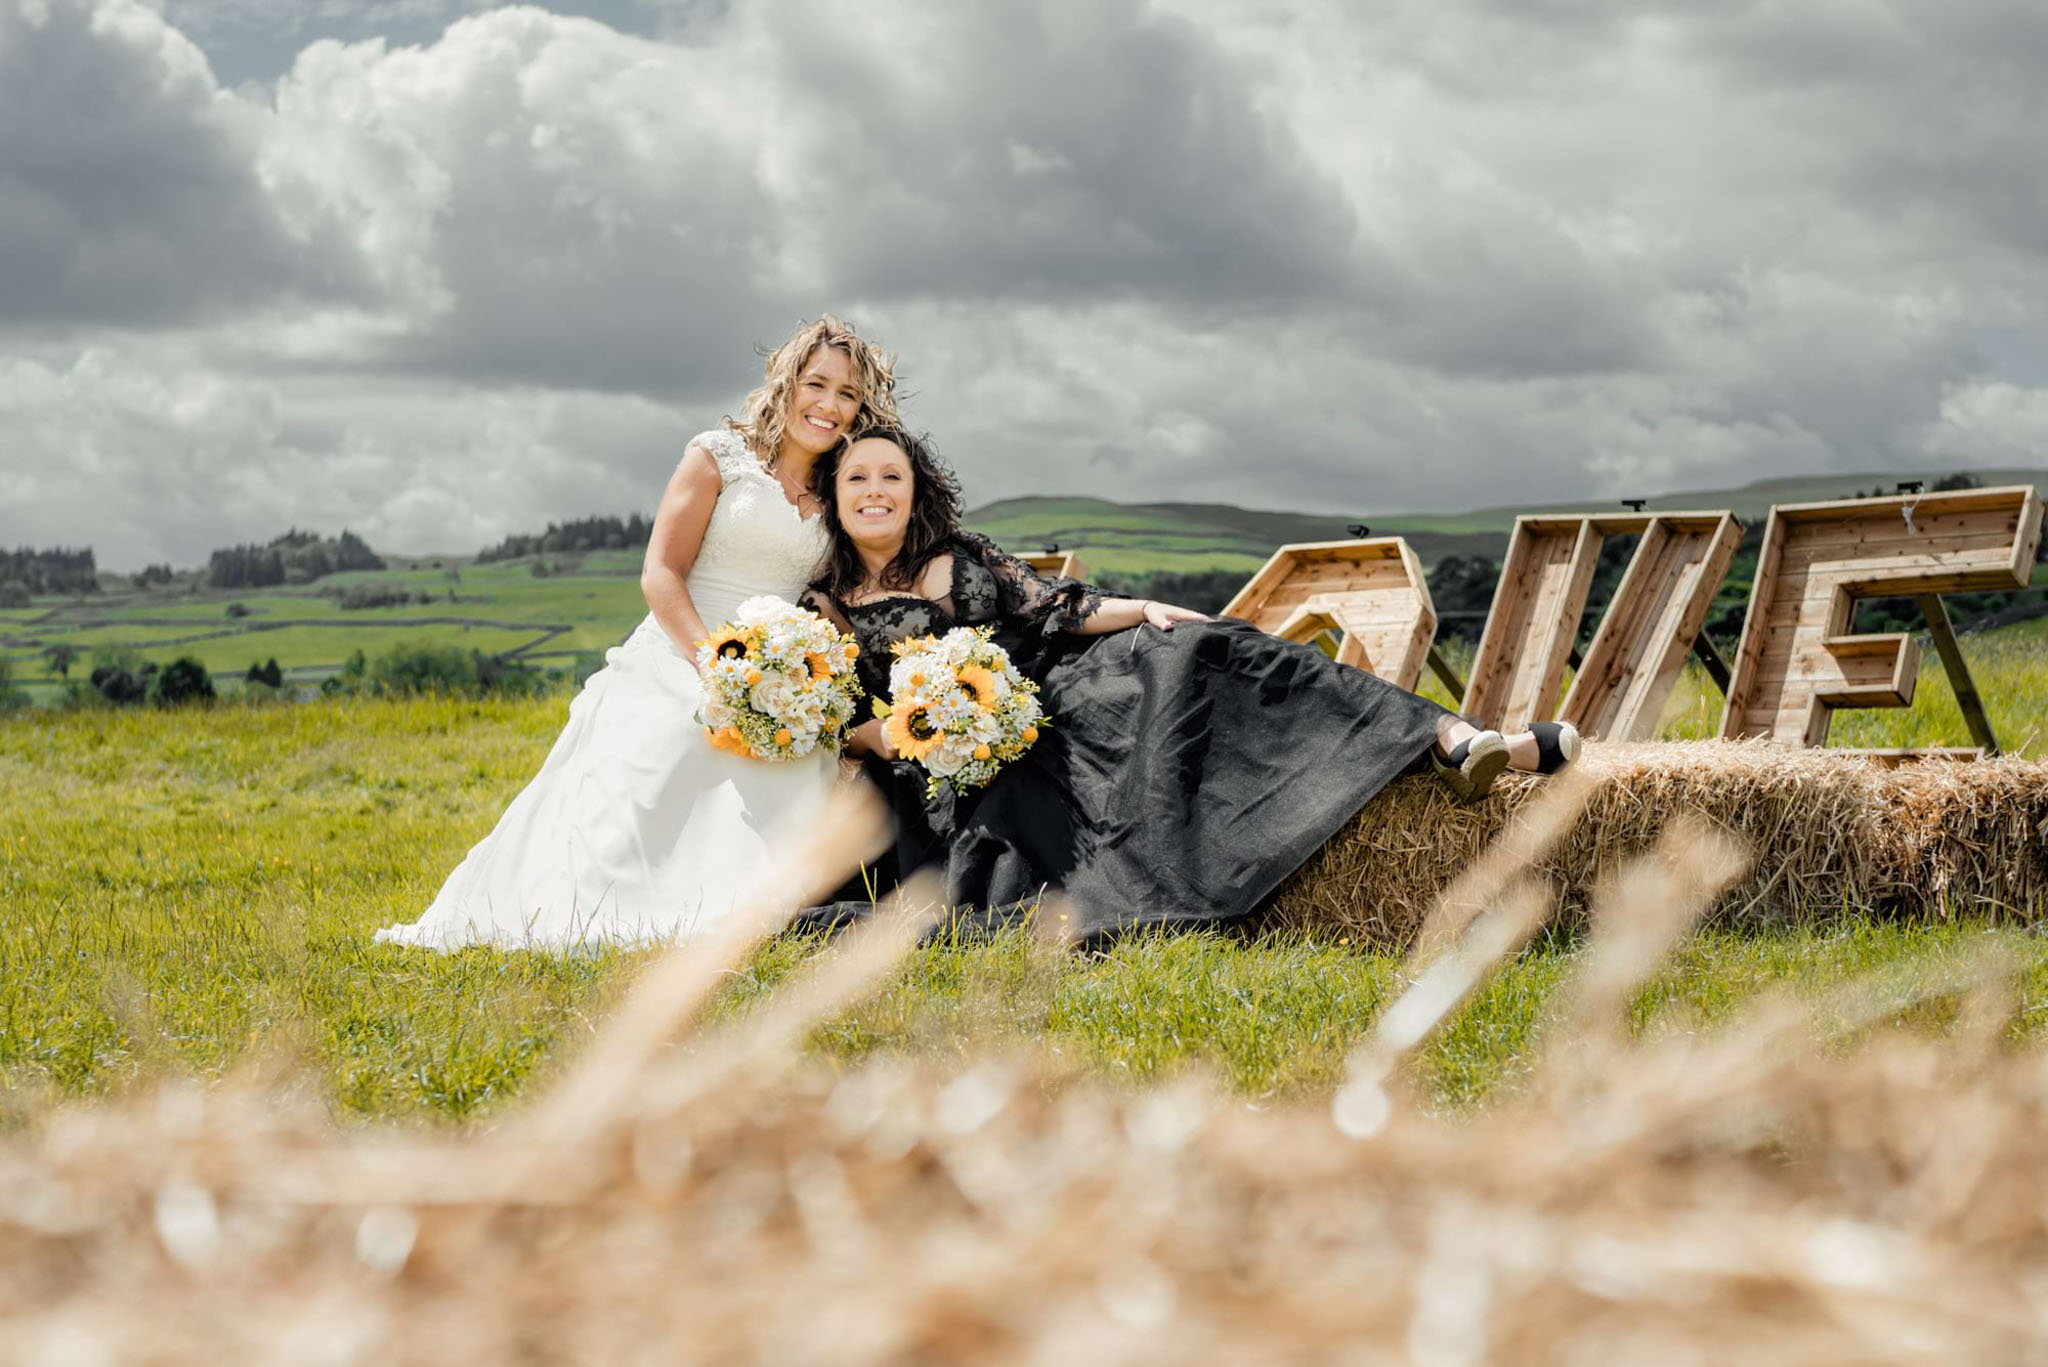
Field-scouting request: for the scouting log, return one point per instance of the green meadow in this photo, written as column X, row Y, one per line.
column 194, row 891
column 583, row 603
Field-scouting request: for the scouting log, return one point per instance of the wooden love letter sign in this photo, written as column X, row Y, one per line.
column 1371, row 593
column 1635, row 657
column 1798, row 662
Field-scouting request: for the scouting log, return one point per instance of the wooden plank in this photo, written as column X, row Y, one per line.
column 1386, row 645
column 1871, row 671
column 1948, row 500
column 1446, row 675
column 1747, row 679
column 1951, row 652
column 1534, row 623
column 1556, row 604
column 1611, row 660
column 1506, row 622
column 1058, row 565
column 1655, row 616
column 1306, row 625
column 1799, row 661
column 2028, row 544
column 1371, row 592
column 1293, row 594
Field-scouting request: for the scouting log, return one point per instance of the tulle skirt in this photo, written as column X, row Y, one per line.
column 634, row 831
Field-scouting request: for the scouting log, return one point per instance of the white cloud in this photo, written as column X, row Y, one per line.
column 148, row 458
column 128, row 189
column 1438, row 252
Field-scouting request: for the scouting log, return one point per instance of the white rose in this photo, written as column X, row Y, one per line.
column 773, row 696
column 764, row 607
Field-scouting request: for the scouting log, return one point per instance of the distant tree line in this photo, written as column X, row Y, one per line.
column 295, row 558
column 357, row 596
column 1202, row 590
column 582, row 534
column 58, row 570
column 445, row 671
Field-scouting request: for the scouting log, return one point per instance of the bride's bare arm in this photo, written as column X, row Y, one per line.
column 678, row 535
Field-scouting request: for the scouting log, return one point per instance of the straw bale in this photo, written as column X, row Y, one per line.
column 1831, row 833
column 1723, row 1201
column 1973, row 835
column 1750, row 1194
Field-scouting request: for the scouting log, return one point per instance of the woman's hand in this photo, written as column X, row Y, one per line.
column 1164, row 615
column 871, row 738
column 1121, row 614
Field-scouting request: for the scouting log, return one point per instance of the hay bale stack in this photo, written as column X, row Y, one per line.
column 1830, row 833
column 1972, row 836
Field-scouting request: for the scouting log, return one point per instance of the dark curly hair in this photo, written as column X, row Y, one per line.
column 934, row 515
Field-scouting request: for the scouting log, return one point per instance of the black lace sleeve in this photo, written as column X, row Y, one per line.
column 820, row 602
column 1040, row 604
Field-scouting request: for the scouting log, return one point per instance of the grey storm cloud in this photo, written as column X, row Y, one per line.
column 129, row 190
column 1086, row 151
column 440, row 270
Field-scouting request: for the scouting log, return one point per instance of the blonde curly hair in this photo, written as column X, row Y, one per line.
column 767, row 411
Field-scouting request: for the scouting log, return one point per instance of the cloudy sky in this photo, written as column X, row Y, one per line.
column 435, row 270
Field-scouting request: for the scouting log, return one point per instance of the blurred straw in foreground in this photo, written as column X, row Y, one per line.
column 1760, row 1193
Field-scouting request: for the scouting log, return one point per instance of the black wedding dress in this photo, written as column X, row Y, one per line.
column 1184, row 775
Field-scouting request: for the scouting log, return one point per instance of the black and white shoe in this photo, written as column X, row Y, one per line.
column 1557, row 744
column 1472, row 765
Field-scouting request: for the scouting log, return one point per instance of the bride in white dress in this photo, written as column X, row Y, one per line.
column 636, row 829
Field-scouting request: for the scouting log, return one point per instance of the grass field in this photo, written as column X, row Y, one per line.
column 195, row 891
column 496, row 608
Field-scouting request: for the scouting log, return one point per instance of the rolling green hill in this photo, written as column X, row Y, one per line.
column 585, row 602
column 1749, row 502
column 1136, row 538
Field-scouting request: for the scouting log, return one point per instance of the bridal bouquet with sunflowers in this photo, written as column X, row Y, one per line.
column 779, row 682
column 958, row 707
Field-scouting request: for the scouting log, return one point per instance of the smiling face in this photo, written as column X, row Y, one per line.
column 823, row 403
column 873, row 492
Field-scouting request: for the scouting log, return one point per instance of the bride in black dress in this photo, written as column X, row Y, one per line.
column 1191, row 764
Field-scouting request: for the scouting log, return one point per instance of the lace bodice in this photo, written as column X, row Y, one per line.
column 989, row 587
column 757, row 541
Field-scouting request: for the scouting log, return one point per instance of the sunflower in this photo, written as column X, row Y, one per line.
column 821, row 668
column 978, row 683
column 912, row 732
column 730, row 643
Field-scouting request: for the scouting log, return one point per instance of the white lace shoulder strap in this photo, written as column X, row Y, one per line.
column 729, row 449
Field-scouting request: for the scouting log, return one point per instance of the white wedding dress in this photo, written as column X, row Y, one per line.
column 635, row 829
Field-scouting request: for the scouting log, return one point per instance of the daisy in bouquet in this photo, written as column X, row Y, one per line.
column 958, row 707
column 778, row 682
